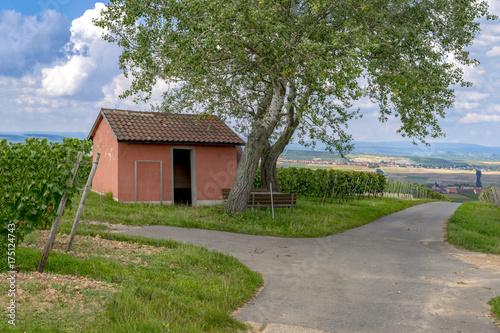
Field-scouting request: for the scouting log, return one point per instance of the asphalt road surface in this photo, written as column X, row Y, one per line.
column 395, row 274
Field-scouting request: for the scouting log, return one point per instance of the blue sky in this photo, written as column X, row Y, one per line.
column 56, row 72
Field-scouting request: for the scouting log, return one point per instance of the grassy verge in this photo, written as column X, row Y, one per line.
column 476, row 226
column 309, row 219
column 495, row 307
column 156, row 286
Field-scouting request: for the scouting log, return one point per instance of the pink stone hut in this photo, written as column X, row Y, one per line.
column 161, row 157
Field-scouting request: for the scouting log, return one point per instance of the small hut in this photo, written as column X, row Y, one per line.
column 163, row 158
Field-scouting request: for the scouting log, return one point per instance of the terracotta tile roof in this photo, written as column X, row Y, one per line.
column 159, row 127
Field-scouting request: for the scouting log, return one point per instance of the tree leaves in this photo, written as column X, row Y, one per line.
column 227, row 57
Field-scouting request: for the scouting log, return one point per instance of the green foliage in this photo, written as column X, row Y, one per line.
column 495, row 307
column 230, row 56
column 476, row 227
column 315, row 183
column 34, row 177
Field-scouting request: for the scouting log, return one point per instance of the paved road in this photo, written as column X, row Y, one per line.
column 393, row 275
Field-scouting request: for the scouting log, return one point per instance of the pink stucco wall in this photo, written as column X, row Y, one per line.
column 106, row 176
column 148, row 183
column 215, row 167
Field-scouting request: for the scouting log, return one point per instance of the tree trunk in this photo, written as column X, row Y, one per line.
column 245, row 174
column 267, row 119
column 268, row 169
column 270, row 154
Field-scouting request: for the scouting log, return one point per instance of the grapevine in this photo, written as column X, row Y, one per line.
column 34, row 175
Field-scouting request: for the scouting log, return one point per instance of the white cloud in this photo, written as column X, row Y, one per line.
column 471, row 73
column 465, row 105
column 493, row 28
column 471, row 118
column 91, row 62
column 486, row 40
column 113, row 90
column 494, row 108
column 472, row 96
column 494, row 52
column 67, row 79
column 494, row 8
column 119, row 84
column 27, row 40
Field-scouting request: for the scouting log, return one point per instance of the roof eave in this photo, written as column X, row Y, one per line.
column 184, row 143
column 95, row 126
column 98, row 121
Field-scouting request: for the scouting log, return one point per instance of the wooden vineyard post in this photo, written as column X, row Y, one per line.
column 272, row 204
column 495, row 196
column 60, row 210
column 82, row 202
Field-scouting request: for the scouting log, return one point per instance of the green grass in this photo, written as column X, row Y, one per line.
column 309, row 219
column 181, row 288
column 495, row 307
column 476, row 226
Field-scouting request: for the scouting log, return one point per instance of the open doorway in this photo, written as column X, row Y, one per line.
column 182, row 176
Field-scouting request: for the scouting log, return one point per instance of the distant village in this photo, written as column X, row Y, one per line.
column 378, row 167
column 445, row 189
column 392, row 164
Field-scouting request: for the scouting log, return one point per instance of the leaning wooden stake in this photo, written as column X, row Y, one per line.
column 82, row 202
column 60, row 210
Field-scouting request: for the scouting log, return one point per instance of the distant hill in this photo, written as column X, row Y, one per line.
column 16, row 137
column 436, row 150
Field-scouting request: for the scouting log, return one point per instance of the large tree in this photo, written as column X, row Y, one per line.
column 279, row 66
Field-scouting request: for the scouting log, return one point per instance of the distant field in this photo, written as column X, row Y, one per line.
column 455, row 197
column 421, row 176
column 443, row 177
column 328, row 166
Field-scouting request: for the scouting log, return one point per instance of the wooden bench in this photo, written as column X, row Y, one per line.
column 263, row 199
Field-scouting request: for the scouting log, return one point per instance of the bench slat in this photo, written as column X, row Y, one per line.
column 261, row 198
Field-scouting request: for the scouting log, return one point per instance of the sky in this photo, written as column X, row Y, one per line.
column 56, row 73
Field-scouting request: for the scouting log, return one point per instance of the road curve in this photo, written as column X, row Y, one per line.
column 395, row 274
